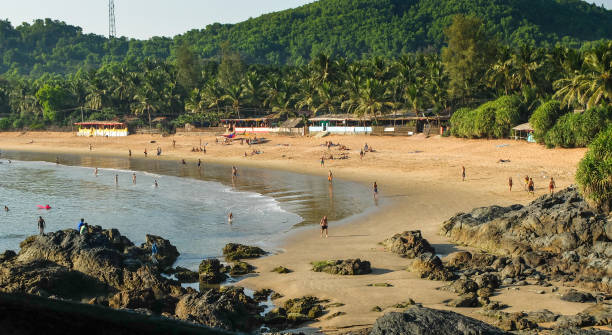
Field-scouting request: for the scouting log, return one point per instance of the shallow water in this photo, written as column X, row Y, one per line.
column 189, row 207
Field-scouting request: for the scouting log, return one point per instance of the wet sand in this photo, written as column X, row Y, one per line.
column 420, row 186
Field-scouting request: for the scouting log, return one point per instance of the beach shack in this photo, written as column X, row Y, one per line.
column 523, row 132
column 345, row 124
column 252, row 125
column 102, row 128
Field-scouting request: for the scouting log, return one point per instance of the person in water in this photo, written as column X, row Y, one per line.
column 551, row 186
column 199, row 163
column 156, row 183
column 6, row 209
column 510, row 183
column 57, row 160
column 463, row 173
column 330, row 177
column 134, row 178
column 41, row 225
column 183, row 161
column 324, row 226
column 154, row 252
column 116, row 179
column 96, row 172
column 234, row 172
column 230, row 218
column 375, row 190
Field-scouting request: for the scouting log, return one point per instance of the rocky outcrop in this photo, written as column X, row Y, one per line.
column 228, row 308
column 348, row 267
column 558, row 237
column 425, row 321
column 294, row 312
column 236, row 252
column 430, row 267
column 166, row 252
column 409, row 244
column 211, row 272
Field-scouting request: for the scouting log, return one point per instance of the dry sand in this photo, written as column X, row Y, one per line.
column 420, row 186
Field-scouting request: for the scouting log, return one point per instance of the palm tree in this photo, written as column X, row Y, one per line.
column 372, row 100
column 254, row 89
column 235, row 93
column 146, row 102
column 213, row 94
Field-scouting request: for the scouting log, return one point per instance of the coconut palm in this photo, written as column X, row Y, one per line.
column 235, row 95
column 372, row 99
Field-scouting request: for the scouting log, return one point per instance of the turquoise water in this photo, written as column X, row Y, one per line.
column 189, row 207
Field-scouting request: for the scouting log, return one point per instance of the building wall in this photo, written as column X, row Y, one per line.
column 341, row 130
column 87, row 132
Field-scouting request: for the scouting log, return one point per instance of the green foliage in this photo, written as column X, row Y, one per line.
column 578, row 129
column 469, row 54
column 356, row 29
column 5, row 123
column 493, row 119
column 53, row 99
column 544, row 118
column 594, row 175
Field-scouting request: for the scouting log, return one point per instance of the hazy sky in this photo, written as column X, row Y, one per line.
column 145, row 18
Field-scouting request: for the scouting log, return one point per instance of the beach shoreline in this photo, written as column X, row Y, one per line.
column 419, row 178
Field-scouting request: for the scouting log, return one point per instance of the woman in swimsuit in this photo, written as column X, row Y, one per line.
column 324, row 226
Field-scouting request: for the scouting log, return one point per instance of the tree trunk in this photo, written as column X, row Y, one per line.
column 149, row 113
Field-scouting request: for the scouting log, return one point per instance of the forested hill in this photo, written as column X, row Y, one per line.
column 354, row 29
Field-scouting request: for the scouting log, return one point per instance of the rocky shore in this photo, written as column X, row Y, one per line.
column 104, row 268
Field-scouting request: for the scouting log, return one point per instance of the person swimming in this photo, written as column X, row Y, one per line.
column 6, row 209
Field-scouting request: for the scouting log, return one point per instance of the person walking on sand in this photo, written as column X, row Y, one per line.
column 361, row 154
column 134, row 178
column 322, row 161
column 330, row 177
column 129, row 152
column 145, row 152
column 526, row 186
column 41, row 225
column 173, row 144
column 551, row 186
column 324, row 226
column 510, row 183
column 531, row 187
column 463, row 173
column 375, row 190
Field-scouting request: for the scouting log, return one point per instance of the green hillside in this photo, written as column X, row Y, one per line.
column 354, row 29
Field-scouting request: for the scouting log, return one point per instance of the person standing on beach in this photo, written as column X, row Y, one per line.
column 145, row 152
column 199, row 163
column 463, row 173
column 173, row 144
column 526, row 186
column 375, row 190
column 322, row 161
column 551, row 186
column 531, row 187
column 129, row 152
column 330, row 177
column 324, row 226
column 90, row 146
column 134, row 178
column 361, row 154
column 234, row 172
column 510, row 183
column 41, row 225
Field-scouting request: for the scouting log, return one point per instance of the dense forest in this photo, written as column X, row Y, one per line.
column 352, row 29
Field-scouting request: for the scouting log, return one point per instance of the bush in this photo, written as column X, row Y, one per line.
column 5, row 123
column 594, row 175
column 493, row 119
column 578, row 130
column 544, row 118
column 18, row 124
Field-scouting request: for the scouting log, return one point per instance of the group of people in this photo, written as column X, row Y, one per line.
column 529, row 185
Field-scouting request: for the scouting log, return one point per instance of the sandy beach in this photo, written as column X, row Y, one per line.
column 420, row 187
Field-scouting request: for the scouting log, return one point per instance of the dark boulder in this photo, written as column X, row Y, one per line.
column 236, row 252
column 349, row 267
column 7, row 256
column 576, row 296
column 430, row 267
column 409, row 244
column 425, row 321
column 210, row 272
column 166, row 252
column 184, row 275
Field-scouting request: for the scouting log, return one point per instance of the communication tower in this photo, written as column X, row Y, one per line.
column 112, row 28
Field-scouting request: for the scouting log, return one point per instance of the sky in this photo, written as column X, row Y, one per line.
column 143, row 19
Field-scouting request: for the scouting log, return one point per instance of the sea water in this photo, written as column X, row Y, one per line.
column 189, row 207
